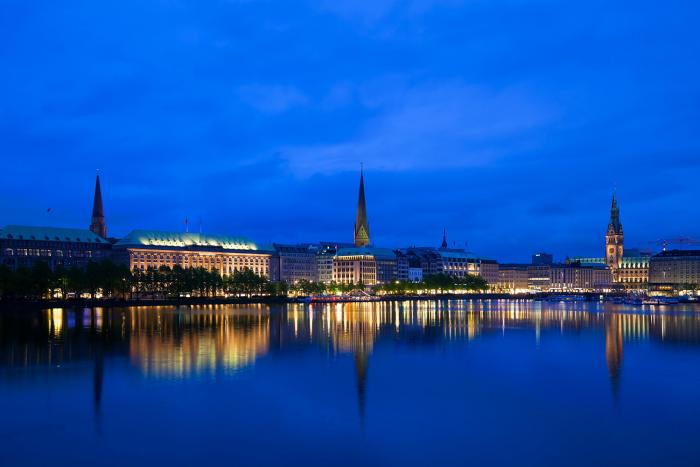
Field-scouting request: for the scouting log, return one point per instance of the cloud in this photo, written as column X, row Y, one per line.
column 271, row 99
column 416, row 126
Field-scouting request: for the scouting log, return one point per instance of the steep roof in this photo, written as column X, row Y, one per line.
column 50, row 234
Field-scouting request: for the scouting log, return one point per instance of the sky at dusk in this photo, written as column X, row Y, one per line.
column 508, row 122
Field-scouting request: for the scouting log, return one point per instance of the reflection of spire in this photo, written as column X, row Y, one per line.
column 361, row 363
column 97, row 380
column 614, row 351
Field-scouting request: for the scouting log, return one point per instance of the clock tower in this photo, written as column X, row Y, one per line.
column 614, row 241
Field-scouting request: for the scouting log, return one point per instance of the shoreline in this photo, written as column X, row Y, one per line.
column 278, row 300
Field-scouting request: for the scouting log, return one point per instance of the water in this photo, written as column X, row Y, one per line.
column 410, row 383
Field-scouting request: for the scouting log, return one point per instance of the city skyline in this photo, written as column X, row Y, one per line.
column 509, row 126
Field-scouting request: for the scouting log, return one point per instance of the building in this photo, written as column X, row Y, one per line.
column 296, row 262
column 675, row 270
column 458, row 263
column 425, row 258
column 614, row 241
column 143, row 249
column 23, row 246
column 513, row 278
column 387, row 265
column 355, row 266
column 415, row 274
column 539, row 259
column 401, row 265
column 576, row 278
column 489, row 270
column 361, row 224
column 634, row 270
column 324, row 259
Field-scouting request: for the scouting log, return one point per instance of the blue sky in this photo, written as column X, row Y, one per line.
column 508, row 122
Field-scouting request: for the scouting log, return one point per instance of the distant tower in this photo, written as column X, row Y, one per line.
column 361, row 224
column 98, row 214
column 614, row 241
column 444, row 239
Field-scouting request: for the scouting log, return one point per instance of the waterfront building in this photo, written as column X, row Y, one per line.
column 295, row 262
column 387, row 265
column 23, row 246
column 426, row 258
column 401, row 265
column 539, row 277
column 675, row 270
column 513, row 278
column 355, row 266
column 458, row 263
column 614, row 241
column 576, row 278
column 633, row 272
column 324, row 259
column 489, row 270
column 634, row 269
column 361, row 224
column 143, row 249
column 542, row 258
column 415, row 274
column 572, row 277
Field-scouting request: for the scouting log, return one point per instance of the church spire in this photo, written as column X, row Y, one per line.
column 361, row 224
column 444, row 239
column 98, row 215
column 615, row 216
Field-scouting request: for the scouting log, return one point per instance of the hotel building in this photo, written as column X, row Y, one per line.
column 143, row 249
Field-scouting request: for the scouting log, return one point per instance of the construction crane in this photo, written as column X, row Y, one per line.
column 664, row 242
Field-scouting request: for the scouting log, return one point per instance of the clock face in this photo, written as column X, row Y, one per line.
column 612, row 250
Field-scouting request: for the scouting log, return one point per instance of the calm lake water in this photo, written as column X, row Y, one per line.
column 411, row 383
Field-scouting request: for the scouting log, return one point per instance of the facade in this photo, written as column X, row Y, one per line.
column 634, row 270
column 489, row 270
column 675, row 270
column 296, row 262
column 513, row 278
column 614, row 241
column 415, row 274
column 23, row 246
column 458, row 264
column 355, row 266
column 387, row 265
column 426, row 258
column 361, row 223
column 568, row 278
column 324, row 259
column 401, row 266
column 575, row 278
column 143, row 249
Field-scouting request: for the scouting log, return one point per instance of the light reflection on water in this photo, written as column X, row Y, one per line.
column 217, row 344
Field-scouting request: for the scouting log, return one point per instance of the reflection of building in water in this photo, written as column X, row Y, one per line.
column 614, row 349
column 195, row 342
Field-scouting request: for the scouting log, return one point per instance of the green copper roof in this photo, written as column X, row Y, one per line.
column 184, row 240
column 50, row 234
column 380, row 253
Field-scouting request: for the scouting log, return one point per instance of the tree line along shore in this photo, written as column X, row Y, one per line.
column 107, row 280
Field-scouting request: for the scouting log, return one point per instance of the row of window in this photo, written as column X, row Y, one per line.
column 48, row 253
